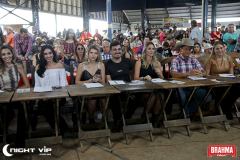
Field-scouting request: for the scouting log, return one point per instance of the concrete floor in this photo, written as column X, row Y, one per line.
column 180, row 147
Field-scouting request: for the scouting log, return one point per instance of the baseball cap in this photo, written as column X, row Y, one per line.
column 207, row 46
column 10, row 28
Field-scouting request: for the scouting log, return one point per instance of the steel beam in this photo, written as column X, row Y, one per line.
column 85, row 6
column 109, row 18
column 214, row 14
column 35, row 15
column 143, row 15
column 204, row 15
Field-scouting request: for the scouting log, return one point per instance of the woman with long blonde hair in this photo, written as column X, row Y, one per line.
column 146, row 69
column 91, row 71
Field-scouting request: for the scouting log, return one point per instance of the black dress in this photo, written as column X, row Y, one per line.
column 86, row 75
column 149, row 71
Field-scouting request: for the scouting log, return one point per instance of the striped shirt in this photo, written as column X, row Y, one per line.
column 182, row 65
column 22, row 45
column 69, row 47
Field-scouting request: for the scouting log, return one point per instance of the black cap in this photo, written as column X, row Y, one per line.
column 174, row 26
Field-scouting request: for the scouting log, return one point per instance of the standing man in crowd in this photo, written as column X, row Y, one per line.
column 23, row 44
column 97, row 35
column 106, row 51
column 230, row 38
column 238, row 30
column 120, row 37
column 175, row 32
column 85, row 35
column 161, row 36
column 196, row 34
column 129, row 32
column 10, row 36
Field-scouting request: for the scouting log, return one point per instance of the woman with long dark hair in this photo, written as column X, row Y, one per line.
column 10, row 74
column 2, row 38
column 68, row 46
column 127, row 50
column 50, row 73
column 197, row 50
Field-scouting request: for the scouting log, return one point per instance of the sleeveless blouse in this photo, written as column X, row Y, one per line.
column 149, row 71
column 86, row 75
column 9, row 79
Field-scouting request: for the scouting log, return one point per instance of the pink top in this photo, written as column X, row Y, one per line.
column 162, row 35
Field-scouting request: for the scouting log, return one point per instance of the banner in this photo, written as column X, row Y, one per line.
column 178, row 22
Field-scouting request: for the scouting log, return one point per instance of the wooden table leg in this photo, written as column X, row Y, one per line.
column 105, row 119
column 123, row 110
column 148, row 103
column 27, row 124
column 79, row 125
column 56, row 115
column 164, row 104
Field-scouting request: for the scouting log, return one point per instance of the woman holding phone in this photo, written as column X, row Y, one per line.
column 146, row 69
column 91, row 71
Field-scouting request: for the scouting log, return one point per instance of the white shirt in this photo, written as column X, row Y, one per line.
column 51, row 77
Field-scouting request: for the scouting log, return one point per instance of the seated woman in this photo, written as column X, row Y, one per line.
column 50, row 73
column 35, row 58
column 79, row 56
column 220, row 63
column 146, row 69
column 197, row 50
column 10, row 74
column 91, row 71
column 127, row 51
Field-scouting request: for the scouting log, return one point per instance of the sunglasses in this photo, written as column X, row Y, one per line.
column 80, row 48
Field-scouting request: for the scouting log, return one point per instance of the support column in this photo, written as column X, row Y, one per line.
column 143, row 15
column 204, row 15
column 109, row 18
column 214, row 14
column 56, row 24
column 85, row 6
column 35, row 16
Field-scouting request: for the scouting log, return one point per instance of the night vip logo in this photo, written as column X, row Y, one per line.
column 43, row 151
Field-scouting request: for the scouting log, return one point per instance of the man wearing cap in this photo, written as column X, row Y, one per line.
column 85, row 35
column 183, row 66
column 22, row 43
column 129, row 32
column 120, row 37
column 97, row 35
column 10, row 36
column 196, row 34
column 207, row 50
column 37, row 41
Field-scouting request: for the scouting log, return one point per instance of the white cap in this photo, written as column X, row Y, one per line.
column 207, row 46
column 38, row 38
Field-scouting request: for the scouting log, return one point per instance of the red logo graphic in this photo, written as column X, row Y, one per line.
column 222, row 150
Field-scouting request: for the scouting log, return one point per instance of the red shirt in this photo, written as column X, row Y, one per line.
column 162, row 35
column 87, row 36
column 213, row 36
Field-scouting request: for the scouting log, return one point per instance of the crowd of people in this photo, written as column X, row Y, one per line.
column 86, row 53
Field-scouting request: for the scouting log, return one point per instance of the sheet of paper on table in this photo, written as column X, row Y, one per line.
column 116, row 82
column 137, row 82
column 215, row 80
column 93, row 85
column 43, row 89
column 178, row 82
column 226, row 75
column 195, row 78
column 158, row 80
column 1, row 91
column 25, row 90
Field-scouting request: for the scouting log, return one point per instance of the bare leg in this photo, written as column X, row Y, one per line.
column 152, row 102
column 91, row 107
column 158, row 106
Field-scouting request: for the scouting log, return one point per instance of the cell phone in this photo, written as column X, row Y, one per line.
column 167, row 79
column 57, row 87
column 220, row 80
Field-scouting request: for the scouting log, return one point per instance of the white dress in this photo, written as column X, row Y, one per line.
column 51, row 77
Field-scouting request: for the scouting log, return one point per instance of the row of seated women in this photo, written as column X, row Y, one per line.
column 92, row 70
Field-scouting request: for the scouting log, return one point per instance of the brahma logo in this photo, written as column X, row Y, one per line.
column 222, row 150
column 43, row 151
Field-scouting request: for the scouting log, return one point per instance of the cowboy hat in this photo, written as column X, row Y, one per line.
column 10, row 28
column 185, row 42
column 84, row 29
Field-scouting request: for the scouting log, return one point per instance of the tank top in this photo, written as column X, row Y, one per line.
column 149, row 71
column 86, row 75
column 9, row 79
